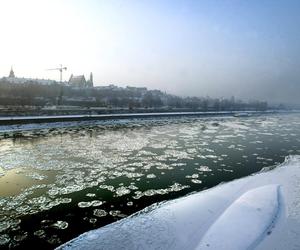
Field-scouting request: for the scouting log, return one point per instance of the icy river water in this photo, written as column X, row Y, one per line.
column 56, row 183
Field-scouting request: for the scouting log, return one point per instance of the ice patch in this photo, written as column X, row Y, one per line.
column 36, row 176
column 122, row 191
column 4, row 239
column 151, row 176
column 99, row 212
column 94, row 203
column 60, row 225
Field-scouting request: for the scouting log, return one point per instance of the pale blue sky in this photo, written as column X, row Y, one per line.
column 249, row 49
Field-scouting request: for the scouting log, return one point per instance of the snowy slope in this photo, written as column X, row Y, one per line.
column 249, row 217
column 260, row 211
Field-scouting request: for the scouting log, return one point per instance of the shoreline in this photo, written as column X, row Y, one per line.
column 256, row 211
column 14, row 120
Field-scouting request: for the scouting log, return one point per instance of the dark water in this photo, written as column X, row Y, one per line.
column 58, row 183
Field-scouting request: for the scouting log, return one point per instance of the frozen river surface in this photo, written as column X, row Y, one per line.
column 56, row 183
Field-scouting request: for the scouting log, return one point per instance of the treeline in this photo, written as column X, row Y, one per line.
column 34, row 94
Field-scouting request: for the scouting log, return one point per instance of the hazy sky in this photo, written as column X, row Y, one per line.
column 249, row 49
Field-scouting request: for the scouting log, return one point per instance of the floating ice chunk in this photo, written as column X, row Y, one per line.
column 179, row 164
column 63, row 200
column 36, row 176
column 177, row 187
column 60, row 224
column 107, row 187
column 249, row 217
column 15, row 222
column 90, row 195
column 211, row 156
column 100, row 212
column 150, row 192
column 84, row 204
column 132, row 187
column 129, row 203
column 235, row 126
column 193, row 176
column 53, row 240
column 92, row 220
column 115, row 212
column 122, row 191
column 53, row 191
column 96, row 203
column 196, row 181
column 151, row 176
column 4, row 239
column 4, row 225
column 204, row 169
column 40, row 233
column 20, row 237
column 39, row 200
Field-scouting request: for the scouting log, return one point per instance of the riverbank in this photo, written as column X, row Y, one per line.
column 11, row 120
column 259, row 211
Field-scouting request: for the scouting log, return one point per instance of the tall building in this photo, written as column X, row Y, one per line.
column 80, row 81
column 91, row 81
column 11, row 73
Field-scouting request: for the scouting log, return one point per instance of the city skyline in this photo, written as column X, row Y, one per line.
column 216, row 48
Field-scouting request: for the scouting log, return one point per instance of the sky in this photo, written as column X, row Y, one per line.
column 221, row 48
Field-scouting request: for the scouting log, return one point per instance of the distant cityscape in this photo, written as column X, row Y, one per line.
column 79, row 92
column 74, row 80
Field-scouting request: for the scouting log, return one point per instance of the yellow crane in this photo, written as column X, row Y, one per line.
column 60, row 69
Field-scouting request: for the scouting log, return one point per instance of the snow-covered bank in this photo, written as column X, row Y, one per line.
column 260, row 211
column 20, row 120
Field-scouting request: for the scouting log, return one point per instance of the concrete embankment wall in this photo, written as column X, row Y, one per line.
column 70, row 118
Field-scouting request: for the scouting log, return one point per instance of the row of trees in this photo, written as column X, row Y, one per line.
column 35, row 94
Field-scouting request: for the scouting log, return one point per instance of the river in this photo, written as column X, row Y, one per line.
column 58, row 182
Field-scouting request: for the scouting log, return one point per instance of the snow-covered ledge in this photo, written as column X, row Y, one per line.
column 260, row 211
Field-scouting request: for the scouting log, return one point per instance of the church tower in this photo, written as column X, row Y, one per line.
column 11, row 73
column 91, row 80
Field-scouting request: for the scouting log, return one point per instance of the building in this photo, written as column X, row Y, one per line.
column 22, row 80
column 80, row 81
column 75, row 81
column 11, row 73
column 109, row 87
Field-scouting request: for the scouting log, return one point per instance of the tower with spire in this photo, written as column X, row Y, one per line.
column 91, row 80
column 11, row 73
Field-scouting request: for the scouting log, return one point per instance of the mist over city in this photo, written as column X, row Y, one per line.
column 247, row 49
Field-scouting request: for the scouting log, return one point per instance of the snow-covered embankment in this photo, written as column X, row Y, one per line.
column 260, row 211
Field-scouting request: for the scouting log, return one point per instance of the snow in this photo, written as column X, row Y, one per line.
column 8, row 120
column 249, row 217
column 260, row 211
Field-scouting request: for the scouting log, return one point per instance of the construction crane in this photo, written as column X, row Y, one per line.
column 61, row 68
